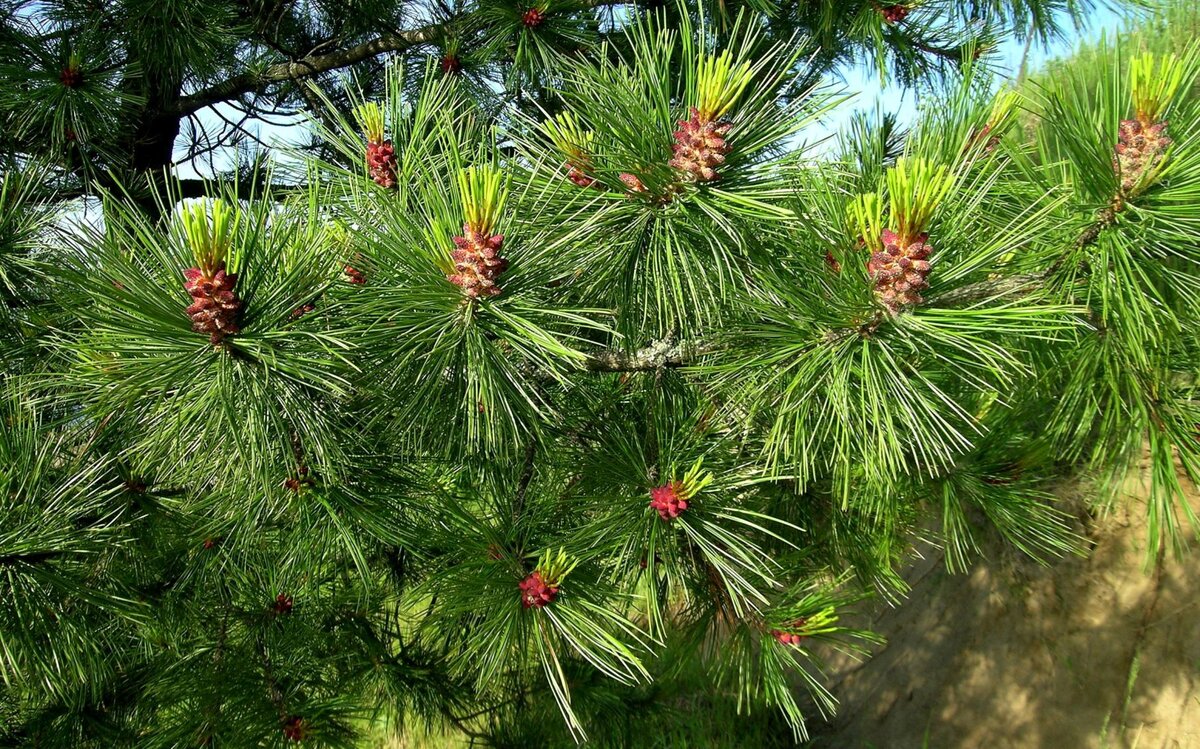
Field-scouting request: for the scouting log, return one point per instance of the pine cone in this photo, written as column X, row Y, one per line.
column 632, row 182
column 535, row 592
column 381, row 163
column 700, row 147
column 283, row 604
column 295, row 729
column 900, row 271
column 355, row 276
column 215, row 307
column 576, row 174
column 71, row 77
column 670, row 500
column 451, row 65
column 533, row 18
column 1141, row 147
column 893, row 13
column 790, row 638
column 477, row 262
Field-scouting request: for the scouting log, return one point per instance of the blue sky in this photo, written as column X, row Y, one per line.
column 861, row 81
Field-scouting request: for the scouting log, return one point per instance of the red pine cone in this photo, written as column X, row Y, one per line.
column 355, row 276
column 632, row 182
column 215, row 306
column 283, row 604
column 669, row 499
column 451, row 65
column 477, row 262
column 71, row 77
column 576, row 175
column 533, row 18
column 209, row 543
column 894, row 13
column 832, row 262
column 381, row 163
column 535, row 593
column 700, row 147
column 295, row 728
column 1140, row 149
column 900, row 271
column 303, row 310
column 790, row 638
column 984, row 134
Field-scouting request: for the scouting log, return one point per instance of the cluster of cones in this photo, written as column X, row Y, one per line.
column 215, row 306
column 900, row 271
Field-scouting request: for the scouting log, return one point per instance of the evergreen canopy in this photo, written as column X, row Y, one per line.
column 562, row 369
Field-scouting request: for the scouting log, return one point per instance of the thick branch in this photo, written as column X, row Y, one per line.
column 317, row 62
column 309, row 65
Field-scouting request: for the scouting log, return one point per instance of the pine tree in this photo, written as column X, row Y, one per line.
column 558, row 376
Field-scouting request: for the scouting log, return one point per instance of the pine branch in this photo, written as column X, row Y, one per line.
column 319, row 61
column 657, row 355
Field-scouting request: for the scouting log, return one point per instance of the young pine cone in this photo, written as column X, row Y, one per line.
column 899, row 272
column 215, row 307
column 381, row 163
column 700, row 147
column 477, row 262
column 1140, row 149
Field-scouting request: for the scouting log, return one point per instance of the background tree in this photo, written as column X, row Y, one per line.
column 559, row 377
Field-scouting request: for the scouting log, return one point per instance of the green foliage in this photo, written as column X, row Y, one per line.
column 649, row 471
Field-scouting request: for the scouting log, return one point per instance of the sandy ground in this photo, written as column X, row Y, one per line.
column 1095, row 651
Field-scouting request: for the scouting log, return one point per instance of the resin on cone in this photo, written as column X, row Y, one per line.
column 215, row 306
column 900, row 270
column 476, row 255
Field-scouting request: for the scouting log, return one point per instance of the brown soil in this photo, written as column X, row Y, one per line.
column 1094, row 651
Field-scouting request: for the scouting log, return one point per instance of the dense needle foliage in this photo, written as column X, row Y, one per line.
column 561, row 369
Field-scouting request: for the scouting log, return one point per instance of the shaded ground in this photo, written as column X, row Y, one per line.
column 1095, row 651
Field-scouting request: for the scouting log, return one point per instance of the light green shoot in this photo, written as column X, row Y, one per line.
column 483, row 196
column 916, row 187
column 1154, row 81
column 719, row 84
column 568, row 136
column 696, row 479
column 209, row 240
column 554, row 566
column 369, row 117
column 865, row 214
